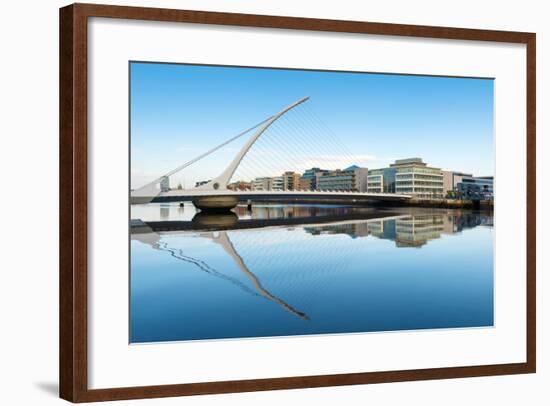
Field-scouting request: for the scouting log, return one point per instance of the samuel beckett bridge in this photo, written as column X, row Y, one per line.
column 216, row 194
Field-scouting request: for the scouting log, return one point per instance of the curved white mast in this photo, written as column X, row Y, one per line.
column 220, row 183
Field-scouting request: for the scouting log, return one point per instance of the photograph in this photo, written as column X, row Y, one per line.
column 255, row 201
column 270, row 202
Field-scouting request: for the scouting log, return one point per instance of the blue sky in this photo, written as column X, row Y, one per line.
column 180, row 111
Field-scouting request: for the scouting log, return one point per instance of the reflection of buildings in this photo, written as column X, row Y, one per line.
column 416, row 231
column 408, row 230
column 470, row 221
column 354, row 230
column 164, row 212
column 283, row 211
column 411, row 231
column 352, row 179
column 168, row 211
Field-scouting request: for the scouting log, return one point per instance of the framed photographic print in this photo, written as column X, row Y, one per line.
column 256, row 202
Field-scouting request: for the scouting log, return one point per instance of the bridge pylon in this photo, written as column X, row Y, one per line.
column 227, row 202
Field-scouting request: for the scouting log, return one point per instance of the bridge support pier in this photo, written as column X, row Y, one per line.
column 215, row 203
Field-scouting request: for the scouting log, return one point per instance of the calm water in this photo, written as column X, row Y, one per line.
column 266, row 273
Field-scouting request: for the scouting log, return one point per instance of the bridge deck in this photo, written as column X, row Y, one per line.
column 284, row 193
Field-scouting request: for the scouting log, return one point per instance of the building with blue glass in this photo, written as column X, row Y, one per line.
column 476, row 188
column 308, row 181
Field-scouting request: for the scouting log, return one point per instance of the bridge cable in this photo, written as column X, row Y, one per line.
column 198, row 158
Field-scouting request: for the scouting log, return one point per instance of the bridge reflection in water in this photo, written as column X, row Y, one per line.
column 292, row 270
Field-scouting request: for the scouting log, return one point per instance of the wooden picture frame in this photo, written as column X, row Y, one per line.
column 73, row 209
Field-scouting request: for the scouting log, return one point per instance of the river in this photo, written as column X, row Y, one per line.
column 281, row 270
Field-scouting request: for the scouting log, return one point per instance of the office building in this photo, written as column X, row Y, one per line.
column 416, row 178
column 466, row 186
column 381, row 180
column 262, row 183
column 476, row 188
column 407, row 176
column 308, row 181
column 291, row 181
column 277, row 183
column 353, row 179
column 451, row 179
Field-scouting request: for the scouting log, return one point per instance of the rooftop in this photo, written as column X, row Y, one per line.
column 408, row 161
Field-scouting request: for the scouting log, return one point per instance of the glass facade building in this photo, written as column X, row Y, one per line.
column 476, row 188
column 466, row 186
column 308, row 181
column 381, row 180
